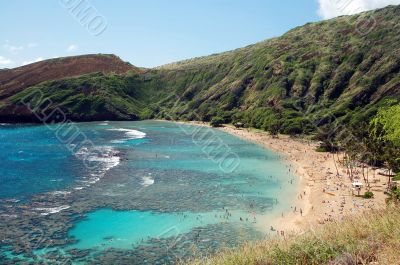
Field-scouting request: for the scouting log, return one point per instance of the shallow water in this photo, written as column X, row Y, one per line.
column 136, row 190
column 124, row 229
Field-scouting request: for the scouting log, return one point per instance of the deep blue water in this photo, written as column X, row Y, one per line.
column 33, row 161
column 171, row 177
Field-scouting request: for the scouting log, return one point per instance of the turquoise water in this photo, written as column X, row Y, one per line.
column 136, row 190
column 107, row 228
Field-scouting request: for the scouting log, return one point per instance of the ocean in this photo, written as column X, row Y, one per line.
column 147, row 192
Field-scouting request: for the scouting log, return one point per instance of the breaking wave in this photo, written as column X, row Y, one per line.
column 102, row 159
column 52, row 210
column 147, row 181
column 130, row 134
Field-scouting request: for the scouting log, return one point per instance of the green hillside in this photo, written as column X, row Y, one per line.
column 325, row 72
column 320, row 69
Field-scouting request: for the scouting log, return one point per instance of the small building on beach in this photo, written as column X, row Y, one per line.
column 357, row 186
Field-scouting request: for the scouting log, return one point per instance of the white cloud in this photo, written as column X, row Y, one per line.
column 333, row 8
column 4, row 61
column 33, row 61
column 72, row 48
column 12, row 48
column 32, row 44
column 18, row 48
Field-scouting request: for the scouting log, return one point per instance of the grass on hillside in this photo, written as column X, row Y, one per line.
column 317, row 75
column 370, row 238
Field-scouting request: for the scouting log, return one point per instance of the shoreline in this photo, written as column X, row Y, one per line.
column 325, row 192
column 322, row 195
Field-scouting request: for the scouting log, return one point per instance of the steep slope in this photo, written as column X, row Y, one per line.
column 16, row 81
column 322, row 72
column 320, row 69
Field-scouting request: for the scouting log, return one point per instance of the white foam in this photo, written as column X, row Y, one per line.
column 147, row 181
column 130, row 134
column 63, row 193
column 56, row 180
column 107, row 158
column 93, row 180
column 103, row 123
column 13, row 200
column 52, row 210
column 117, row 141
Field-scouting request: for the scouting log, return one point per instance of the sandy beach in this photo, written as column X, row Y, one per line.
column 325, row 191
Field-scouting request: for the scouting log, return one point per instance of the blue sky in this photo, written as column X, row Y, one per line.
column 149, row 33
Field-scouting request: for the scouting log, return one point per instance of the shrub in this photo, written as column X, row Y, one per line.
column 146, row 114
column 368, row 195
column 395, row 195
column 292, row 127
column 216, row 122
column 321, row 149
